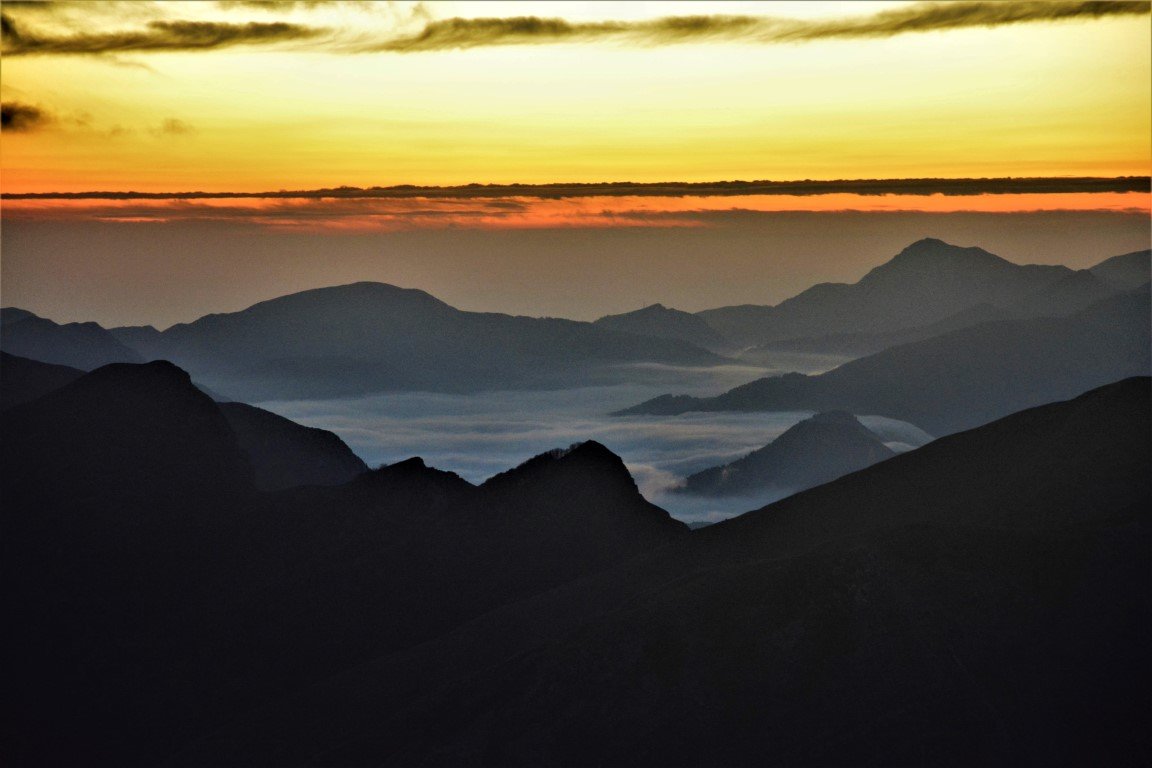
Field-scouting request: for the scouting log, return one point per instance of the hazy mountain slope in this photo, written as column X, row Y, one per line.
column 285, row 454
column 860, row 344
column 815, row 451
column 1069, row 294
column 23, row 380
column 928, row 281
column 1125, row 272
column 155, row 594
column 961, row 379
column 368, row 337
column 982, row 600
column 666, row 323
column 78, row 345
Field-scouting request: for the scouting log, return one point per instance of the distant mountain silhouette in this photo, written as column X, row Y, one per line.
column 813, row 452
column 980, row 601
column 285, row 454
column 927, row 282
column 369, row 337
column 78, row 345
column 1131, row 270
column 23, row 380
column 156, row 594
column 961, row 379
column 665, row 323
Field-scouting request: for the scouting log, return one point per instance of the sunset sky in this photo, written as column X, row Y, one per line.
column 241, row 96
column 264, row 96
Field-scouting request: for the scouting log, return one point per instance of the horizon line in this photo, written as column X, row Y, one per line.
column 907, row 186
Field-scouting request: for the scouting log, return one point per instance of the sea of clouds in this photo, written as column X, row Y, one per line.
column 479, row 435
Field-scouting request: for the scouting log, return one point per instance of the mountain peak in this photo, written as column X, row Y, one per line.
column 584, row 458
column 934, row 248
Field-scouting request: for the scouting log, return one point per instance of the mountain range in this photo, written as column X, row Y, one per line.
column 372, row 337
column 960, row 379
column 77, row 345
column 928, row 282
column 960, row 603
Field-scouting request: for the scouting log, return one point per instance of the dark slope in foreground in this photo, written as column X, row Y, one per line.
column 961, row 379
column 981, row 601
column 815, row 451
column 372, row 337
column 23, row 380
column 285, row 454
column 153, row 594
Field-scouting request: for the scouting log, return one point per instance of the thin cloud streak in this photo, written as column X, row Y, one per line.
column 463, row 33
column 155, row 36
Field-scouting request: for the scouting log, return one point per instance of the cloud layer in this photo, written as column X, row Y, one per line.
column 459, row 33
column 155, row 36
column 466, row 33
column 1041, row 185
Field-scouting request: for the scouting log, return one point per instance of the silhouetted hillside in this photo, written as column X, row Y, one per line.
column 1131, row 270
column 23, row 380
column 961, row 379
column 78, row 345
column 665, row 323
column 369, row 337
column 927, row 282
column 285, row 454
column 815, row 451
column 980, row 601
column 156, row 594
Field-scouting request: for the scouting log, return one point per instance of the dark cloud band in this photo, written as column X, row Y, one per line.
column 666, row 189
column 459, row 33
column 156, row 36
column 464, row 33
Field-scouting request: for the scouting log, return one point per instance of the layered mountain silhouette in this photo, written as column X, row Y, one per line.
column 961, row 379
column 982, row 600
column 78, row 345
column 369, row 337
column 813, row 452
column 23, row 380
column 157, row 593
column 929, row 282
column 665, row 323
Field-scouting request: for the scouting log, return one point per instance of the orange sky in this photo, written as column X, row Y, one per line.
column 388, row 215
column 140, row 109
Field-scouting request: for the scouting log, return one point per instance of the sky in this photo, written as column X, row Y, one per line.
column 256, row 97
column 228, row 96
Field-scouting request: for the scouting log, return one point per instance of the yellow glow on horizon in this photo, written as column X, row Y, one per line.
column 1071, row 98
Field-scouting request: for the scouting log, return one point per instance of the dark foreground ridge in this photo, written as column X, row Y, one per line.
column 950, row 606
column 960, row 604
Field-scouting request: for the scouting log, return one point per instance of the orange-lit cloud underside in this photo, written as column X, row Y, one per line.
column 383, row 215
